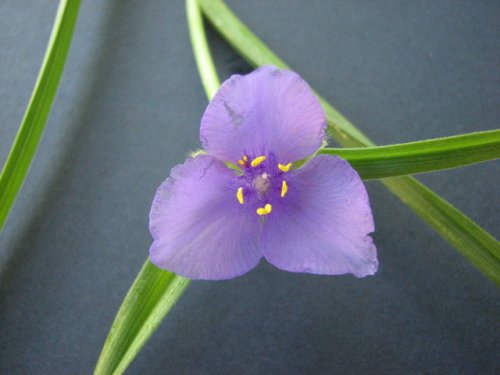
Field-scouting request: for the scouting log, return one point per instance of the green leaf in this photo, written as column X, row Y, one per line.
column 152, row 295
column 466, row 236
column 208, row 73
column 423, row 156
column 30, row 132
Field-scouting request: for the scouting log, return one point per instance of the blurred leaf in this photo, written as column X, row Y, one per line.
column 30, row 132
column 423, row 156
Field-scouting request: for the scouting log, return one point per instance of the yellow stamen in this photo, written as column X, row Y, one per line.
column 243, row 161
column 255, row 162
column 239, row 195
column 284, row 168
column 266, row 210
column 284, row 189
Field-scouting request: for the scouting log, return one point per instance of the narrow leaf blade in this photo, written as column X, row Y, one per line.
column 423, row 156
column 473, row 242
column 149, row 299
column 31, row 129
column 208, row 73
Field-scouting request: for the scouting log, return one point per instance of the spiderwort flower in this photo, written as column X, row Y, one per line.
column 209, row 221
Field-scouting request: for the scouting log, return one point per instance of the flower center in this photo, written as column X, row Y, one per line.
column 262, row 183
column 262, row 180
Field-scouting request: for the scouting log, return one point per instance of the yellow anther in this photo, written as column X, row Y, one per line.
column 239, row 195
column 266, row 210
column 284, row 189
column 255, row 162
column 284, row 168
column 243, row 161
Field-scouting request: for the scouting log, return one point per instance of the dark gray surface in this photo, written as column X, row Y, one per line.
column 128, row 110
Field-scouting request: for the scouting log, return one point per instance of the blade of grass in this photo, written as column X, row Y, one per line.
column 149, row 299
column 31, row 129
column 423, row 156
column 208, row 73
column 478, row 246
column 468, row 238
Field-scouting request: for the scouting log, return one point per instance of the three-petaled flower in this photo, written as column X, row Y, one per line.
column 209, row 221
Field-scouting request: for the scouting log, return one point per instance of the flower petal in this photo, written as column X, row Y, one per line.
column 268, row 110
column 200, row 230
column 322, row 224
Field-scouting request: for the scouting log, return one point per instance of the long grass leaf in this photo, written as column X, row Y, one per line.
column 149, row 299
column 423, row 156
column 30, row 132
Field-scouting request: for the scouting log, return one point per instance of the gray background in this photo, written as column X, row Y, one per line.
column 128, row 110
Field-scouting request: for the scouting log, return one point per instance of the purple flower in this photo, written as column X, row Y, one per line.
column 209, row 221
